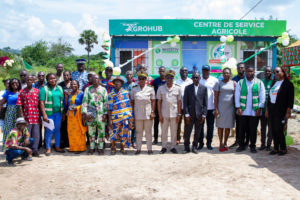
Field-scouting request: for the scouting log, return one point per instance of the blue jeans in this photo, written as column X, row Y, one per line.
column 14, row 153
column 56, row 117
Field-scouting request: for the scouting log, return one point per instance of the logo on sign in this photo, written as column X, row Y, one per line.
column 134, row 27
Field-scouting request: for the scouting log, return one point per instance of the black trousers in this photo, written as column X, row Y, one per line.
column 195, row 122
column 237, row 131
column 264, row 123
column 277, row 128
column 156, row 123
column 210, row 120
column 64, row 138
column 248, row 125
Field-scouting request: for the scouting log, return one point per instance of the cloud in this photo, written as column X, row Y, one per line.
column 59, row 29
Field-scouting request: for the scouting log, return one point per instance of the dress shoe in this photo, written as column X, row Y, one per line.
column 150, row 152
column 154, row 142
column 194, row 150
column 186, row 151
column 281, row 153
column 163, row 150
column 273, row 152
column 137, row 152
column 174, row 151
column 209, row 147
column 253, row 150
column 100, row 152
column 240, row 149
column 262, row 147
column 235, row 144
column 200, row 147
column 35, row 154
column 268, row 148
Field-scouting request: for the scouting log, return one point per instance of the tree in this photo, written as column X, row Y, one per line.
column 37, row 53
column 88, row 38
column 60, row 49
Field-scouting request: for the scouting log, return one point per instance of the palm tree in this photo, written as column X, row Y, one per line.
column 88, row 37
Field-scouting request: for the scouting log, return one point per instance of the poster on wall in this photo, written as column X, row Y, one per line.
column 214, row 55
column 167, row 56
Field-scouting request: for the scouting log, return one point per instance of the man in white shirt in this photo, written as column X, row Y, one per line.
column 182, row 82
column 209, row 82
column 249, row 101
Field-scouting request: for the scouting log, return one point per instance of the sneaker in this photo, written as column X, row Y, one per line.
column 174, row 150
column 163, row 150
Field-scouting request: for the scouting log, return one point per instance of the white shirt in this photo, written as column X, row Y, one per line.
column 274, row 91
column 196, row 89
column 209, row 84
column 183, row 84
column 261, row 96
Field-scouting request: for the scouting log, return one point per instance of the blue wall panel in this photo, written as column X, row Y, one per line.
column 194, row 54
column 138, row 44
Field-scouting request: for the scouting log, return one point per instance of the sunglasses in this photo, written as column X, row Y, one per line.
column 41, row 75
column 195, row 77
column 170, row 78
column 23, row 75
column 277, row 71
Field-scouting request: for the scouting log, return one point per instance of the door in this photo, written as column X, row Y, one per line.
column 124, row 57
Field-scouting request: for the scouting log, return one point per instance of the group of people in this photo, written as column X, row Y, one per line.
column 81, row 109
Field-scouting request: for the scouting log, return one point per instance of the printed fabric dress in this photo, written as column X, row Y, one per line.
column 11, row 113
column 122, row 118
column 76, row 130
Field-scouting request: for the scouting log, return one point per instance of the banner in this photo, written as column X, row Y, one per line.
column 214, row 54
column 197, row 27
column 167, row 56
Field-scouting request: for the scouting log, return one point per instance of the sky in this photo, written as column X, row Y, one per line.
column 24, row 22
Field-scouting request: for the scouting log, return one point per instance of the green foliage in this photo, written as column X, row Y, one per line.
column 295, row 79
column 88, row 38
column 60, row 49
column 36, row 53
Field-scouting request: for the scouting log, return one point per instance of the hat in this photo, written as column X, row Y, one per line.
column 205, row 67
column 142, row 74
column 20, row 120
column 118, row 78
column 170, row 73
column 80, row 61
column 108, row 68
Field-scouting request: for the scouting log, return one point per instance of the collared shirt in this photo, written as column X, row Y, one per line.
column 237, row 78
column 183, row 84
column 16, row 138
column 210, row 84
column 142, row 101
column 81, row 77
column 60, row 78
column 169, row 98
column 29, row 100
column 274, row 91
column 196, row 89
column 261, row 95
column 108, row 84
column 158, row 82
column 129, row 87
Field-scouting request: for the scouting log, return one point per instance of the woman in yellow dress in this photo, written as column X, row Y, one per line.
column 76, row 129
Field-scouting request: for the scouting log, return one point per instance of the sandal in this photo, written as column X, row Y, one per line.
column 123, row 152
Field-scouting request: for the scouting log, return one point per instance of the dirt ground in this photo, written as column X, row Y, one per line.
column 207, row 175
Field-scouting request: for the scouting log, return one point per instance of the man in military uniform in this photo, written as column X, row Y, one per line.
column 169, row 110
column 143, row 102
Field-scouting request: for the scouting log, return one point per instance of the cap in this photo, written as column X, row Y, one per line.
column 118, row 78
column 205, row 67
column 80, row 61
column 108, row 68
column 21, row 120
column 142, row 74
column 170, row 73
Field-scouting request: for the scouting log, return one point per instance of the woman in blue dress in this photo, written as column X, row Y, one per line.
column 10, row 97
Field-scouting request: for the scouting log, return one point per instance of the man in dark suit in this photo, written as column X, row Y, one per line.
column 195, row 109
